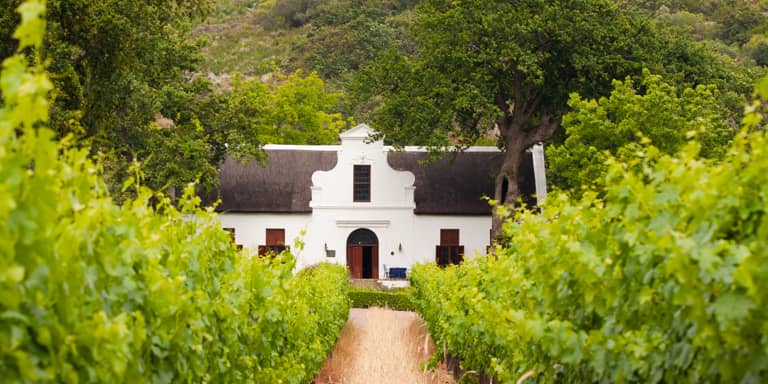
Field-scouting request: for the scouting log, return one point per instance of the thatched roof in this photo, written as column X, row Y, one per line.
column 282, row 185
column 453, row 185
column 456, row 184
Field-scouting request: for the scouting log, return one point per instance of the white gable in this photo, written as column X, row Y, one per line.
column 389, row 188
column 358, row 133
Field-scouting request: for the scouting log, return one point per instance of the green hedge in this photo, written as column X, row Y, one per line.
column 143, row 292
column 400, row 300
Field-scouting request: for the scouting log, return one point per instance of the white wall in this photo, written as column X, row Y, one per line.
column 417, row 235
column 250, row 228
column 404, row 238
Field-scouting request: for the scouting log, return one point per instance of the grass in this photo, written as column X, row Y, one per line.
column 238, row 42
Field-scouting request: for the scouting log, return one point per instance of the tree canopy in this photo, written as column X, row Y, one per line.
column 510, row 67
column 126, row 87
column 617, row 125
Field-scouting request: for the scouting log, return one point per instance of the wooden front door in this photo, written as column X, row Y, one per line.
column 355, row 261
column 363, row 261
column 363, row 254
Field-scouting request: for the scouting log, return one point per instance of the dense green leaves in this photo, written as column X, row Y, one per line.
column 662, row 280
column 505, row 70
column 198, row 132
column 618, row 124
column 140, row 292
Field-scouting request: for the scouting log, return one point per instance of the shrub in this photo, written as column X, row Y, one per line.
column 400, row 300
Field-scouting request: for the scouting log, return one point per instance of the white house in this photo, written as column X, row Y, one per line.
column 366, row 206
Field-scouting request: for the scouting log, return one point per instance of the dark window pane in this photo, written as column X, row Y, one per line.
column 361, row 183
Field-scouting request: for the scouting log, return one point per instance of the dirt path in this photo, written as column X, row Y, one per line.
column 380, row 346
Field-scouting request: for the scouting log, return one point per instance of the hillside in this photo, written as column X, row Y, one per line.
column 333, row 38
column 337, row 37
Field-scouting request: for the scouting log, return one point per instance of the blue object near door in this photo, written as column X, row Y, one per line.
column 397, row 273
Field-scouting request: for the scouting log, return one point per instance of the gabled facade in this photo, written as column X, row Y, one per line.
column 364, row 205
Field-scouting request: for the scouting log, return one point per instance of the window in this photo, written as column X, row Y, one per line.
column 449, row 252
column 275, row 242
column 361, row 183
column 232, row 236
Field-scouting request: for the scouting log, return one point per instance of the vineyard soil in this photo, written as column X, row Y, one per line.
column 382, row 346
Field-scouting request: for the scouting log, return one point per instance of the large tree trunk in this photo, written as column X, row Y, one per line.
column 507, row 191
column 516, row 142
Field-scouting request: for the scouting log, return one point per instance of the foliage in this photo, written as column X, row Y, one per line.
column 615, row 126
column 719, row 22
column 295, row 13
column 506, row 69
column 121, row 66
column 142, row 292
column 333, row 37
column 203, row 130
column 663, row 280
column 737, row 20
column 337, row 50
column 109, row 59
column 692, row 23
column 758, row 49
column 301, row 112
column 396, row 300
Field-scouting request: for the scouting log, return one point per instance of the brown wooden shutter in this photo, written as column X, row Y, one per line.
column 275, row 236
column 449, row 237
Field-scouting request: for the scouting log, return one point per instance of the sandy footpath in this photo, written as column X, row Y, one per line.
column 380, row 346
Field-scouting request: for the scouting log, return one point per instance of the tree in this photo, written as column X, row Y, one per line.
column 502, row 65
column 737, row 19
column 618, row 125
column 125, row 88
column 110, row 61
column 110, row 58
column 203, row 125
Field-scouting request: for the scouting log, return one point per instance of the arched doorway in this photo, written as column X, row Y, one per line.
column 363, row 254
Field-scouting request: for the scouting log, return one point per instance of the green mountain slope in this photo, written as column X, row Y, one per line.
column 335, row 37
column 331, row 37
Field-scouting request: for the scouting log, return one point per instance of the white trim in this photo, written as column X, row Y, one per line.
column 364, row 223
column 358, row 132
column 539, row 172
column 387, row 148
column 290, row 147
column 362, row 206
column 411, row 148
